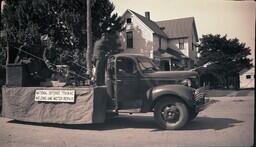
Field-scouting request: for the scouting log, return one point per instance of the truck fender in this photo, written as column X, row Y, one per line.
column 179, row 91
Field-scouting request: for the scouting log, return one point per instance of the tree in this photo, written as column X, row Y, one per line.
column 103, row 48
column 55, row 30
column 2, row 52
column 227, row 57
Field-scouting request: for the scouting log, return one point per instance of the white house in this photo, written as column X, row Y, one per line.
column 172, row 42
column 247, row 78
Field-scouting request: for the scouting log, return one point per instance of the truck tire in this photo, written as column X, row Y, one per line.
column 171, row 113
column 193, row 115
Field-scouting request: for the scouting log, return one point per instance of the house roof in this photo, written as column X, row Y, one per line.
column 167, row 55
column 172, row 50
column 151, row 24
column 246, row 70
column 179, row 28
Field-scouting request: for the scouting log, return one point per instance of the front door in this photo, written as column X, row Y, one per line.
column 127, row 84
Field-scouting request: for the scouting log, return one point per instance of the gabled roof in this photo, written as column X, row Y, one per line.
column 179, row 28
column 245, row 70
column 151, row 24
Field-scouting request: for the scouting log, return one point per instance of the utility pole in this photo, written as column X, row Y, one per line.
column 1, row 5
column 89, row 51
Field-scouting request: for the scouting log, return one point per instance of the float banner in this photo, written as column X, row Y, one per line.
column 83, row 105
column 55, row 95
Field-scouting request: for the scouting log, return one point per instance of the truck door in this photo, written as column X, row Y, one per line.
column 127, row 84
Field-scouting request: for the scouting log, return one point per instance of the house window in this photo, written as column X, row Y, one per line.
column 160, row 43
column 181, row 44
column 128, row 20
column 248, row 76
column 129, row 39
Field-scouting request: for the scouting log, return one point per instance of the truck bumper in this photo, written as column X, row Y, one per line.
column 200, row 101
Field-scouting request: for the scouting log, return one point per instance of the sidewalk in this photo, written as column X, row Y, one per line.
column 230, row 93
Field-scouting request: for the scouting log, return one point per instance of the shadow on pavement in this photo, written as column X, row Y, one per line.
column 202, row 123
column 120, row 122
column 142, row 122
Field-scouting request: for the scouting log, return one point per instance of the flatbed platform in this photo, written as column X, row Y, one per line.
column 88, row 106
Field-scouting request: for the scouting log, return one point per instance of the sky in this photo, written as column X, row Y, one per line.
column 234, row 18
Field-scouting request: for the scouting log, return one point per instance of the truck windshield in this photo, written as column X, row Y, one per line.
column 147, row 65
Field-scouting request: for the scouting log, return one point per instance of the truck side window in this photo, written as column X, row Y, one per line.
column 125, row 67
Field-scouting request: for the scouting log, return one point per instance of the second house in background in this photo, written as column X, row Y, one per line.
column 171, row 43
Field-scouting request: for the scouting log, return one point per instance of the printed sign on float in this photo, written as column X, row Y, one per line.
column 55, row 95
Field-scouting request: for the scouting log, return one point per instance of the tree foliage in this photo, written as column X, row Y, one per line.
column 227, row 57
column 55, row 29
column 103, row 48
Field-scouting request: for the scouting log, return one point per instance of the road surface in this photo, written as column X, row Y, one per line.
column 228, row 122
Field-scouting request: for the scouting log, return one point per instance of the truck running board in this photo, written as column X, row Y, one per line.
column 135, row 110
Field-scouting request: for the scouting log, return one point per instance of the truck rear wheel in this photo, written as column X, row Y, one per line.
column 171, row 114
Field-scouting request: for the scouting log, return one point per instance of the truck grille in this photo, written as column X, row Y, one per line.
column 199, row 95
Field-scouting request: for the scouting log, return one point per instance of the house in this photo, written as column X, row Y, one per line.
column 171, row 43
column 247, row 78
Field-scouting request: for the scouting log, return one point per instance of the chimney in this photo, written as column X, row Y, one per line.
column 147, row 15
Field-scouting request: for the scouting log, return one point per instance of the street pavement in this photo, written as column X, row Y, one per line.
column 227, row 122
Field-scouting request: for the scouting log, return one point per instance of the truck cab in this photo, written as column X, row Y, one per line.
column 135, row 84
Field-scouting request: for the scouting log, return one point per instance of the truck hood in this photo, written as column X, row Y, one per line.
column 171, row 74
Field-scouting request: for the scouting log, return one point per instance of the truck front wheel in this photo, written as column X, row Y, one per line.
column 193, row 115
column 171, row 113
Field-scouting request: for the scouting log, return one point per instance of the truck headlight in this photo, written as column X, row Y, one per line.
column 187, row 82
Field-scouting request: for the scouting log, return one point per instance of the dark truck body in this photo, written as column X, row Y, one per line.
column 142, row 89
column 133, row 85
